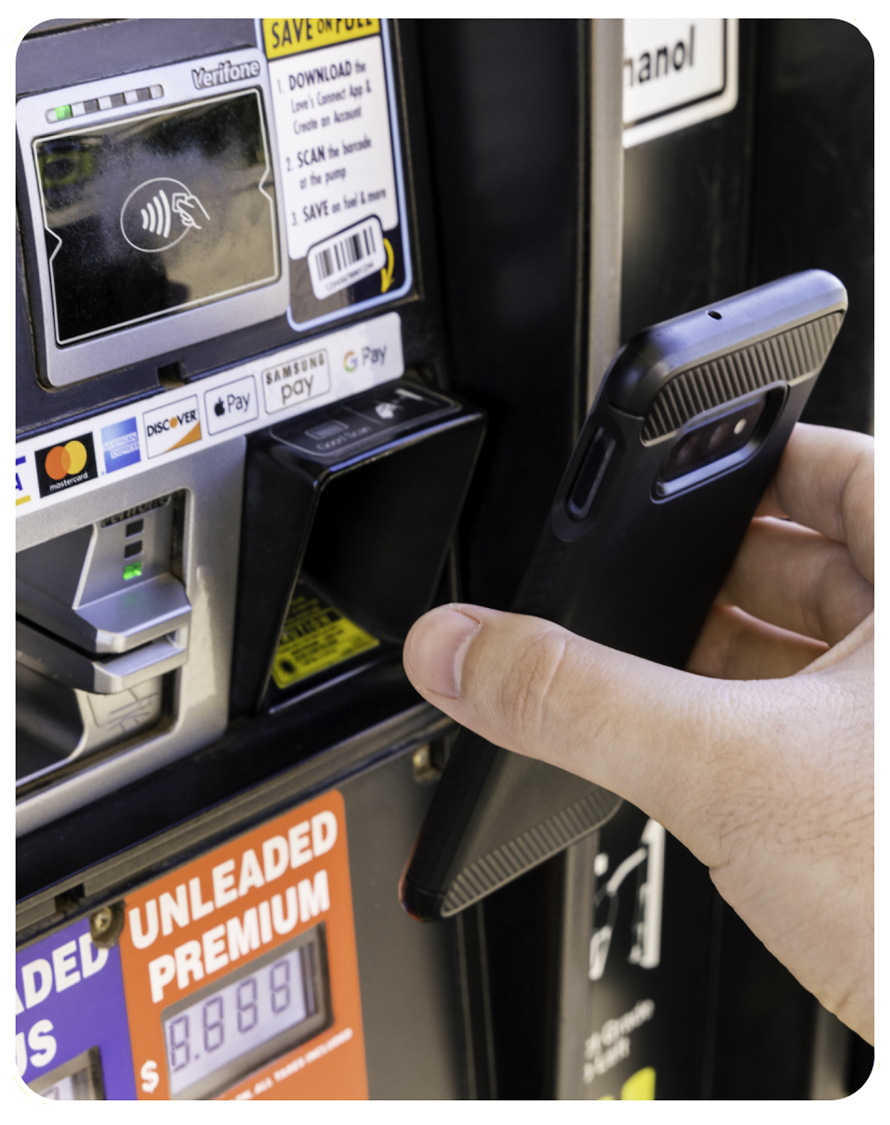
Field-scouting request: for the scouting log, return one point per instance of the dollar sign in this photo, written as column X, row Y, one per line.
column 149, row 1076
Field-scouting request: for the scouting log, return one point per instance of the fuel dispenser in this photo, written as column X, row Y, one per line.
column 238, row 477
column 308, row 315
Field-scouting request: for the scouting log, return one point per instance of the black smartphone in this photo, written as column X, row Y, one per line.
column 684, row 436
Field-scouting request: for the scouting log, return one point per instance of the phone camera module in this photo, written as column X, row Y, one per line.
column 714, row 440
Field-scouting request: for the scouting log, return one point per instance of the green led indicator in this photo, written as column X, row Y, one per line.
column 63, row 111
column 132, row 570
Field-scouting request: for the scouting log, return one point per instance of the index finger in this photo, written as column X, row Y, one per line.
column 825, row 481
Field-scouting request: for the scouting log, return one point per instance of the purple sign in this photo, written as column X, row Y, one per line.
column 72, row 1038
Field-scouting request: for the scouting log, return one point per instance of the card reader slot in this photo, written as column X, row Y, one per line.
column 44, row 653
column 117, row 623
column 348, row 518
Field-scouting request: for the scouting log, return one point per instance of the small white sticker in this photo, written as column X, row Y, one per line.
column 295, row 379
column 231, row 404
column 172, row 426
column 346, row 258
column 677, row 72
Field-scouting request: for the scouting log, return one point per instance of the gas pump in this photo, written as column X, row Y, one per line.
column 239, row 470
column 309, row 313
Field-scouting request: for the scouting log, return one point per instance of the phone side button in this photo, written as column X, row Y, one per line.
column 590, row 475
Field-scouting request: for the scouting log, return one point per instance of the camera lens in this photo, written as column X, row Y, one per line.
column 685, row 452
column 714, row 440
column 718, row 437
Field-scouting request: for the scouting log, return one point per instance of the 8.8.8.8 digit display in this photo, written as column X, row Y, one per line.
column 266, row 1008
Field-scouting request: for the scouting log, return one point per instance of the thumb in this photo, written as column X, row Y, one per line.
column 668, row 741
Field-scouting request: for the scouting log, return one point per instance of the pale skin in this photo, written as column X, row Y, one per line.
column 759, row 756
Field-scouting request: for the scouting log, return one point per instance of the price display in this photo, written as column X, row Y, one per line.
column 79, row 1079
column 220, row 1034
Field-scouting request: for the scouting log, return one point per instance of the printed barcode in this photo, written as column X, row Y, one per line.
column 345, row 253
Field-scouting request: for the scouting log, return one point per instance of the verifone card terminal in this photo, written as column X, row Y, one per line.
column 153, row 196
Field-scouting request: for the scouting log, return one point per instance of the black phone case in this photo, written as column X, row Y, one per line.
column 631, row 559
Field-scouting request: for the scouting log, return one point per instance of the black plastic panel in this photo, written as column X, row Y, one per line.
column 66, row 57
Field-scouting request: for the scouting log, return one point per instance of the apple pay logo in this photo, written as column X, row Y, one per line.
column 231, row 405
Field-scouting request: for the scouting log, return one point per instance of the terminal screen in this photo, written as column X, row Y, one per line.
column 150, row 215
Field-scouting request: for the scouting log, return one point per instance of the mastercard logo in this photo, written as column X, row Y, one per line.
column 65, row 460
column 64, row 466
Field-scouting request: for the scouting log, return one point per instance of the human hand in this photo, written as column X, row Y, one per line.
column 760, row 756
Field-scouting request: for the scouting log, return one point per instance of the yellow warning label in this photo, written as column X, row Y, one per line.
column 315, row 637
column 290, row 37
column 640, row 1087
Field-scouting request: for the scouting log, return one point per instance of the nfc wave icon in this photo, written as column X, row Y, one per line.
column 159, row 213
column 156, row 215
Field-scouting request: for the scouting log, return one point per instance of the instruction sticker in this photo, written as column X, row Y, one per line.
column 342, row 185
column 316, row 636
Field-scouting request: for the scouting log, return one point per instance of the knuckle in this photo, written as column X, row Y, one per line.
column 527, row 688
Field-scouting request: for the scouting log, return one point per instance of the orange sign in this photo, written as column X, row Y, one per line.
column 240, row 968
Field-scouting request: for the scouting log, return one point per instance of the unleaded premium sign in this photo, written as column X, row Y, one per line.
column 240, row 968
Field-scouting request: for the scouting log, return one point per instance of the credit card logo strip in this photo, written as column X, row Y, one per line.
column 374, row 346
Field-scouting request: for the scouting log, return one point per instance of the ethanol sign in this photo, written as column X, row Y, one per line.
column 677, row 73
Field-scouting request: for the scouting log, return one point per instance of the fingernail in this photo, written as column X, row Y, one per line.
column 436, row 652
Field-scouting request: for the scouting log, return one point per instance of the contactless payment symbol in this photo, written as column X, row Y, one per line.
column 159, row 213
column 65, row 465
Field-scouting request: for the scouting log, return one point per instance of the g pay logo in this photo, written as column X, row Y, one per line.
column 350, row 362
column 172, row 426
